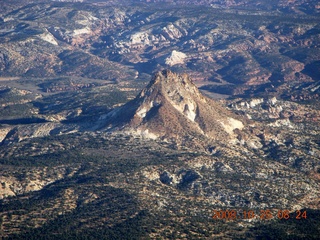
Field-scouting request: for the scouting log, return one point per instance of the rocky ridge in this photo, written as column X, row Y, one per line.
column 172, row 107
column 57, row 174
column 235, row 51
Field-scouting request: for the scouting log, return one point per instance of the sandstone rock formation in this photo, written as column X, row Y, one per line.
column 171, row 107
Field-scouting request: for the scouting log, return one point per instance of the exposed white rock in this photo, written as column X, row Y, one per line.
column 140, row 38
column 315, row 88
column 48, row 37
column 232, row 124
column 254, row 144
column 262, row 175
column 162, row 38
column 181, row 107
column 43, row 130
column 85, row 30
column 279, row 108
column 235, row 123
column 87, row 19
column 175, row 58
column 272, row 101
column 148, row 134
column 142, row 112
column 6, row 184
column 4, row 132
column 171, row 32
column 55, row 118
column 7, row 19
column 255, row 102
column 282, row 123
column 186, row 106
column 190, row 111
column 119, row 16
column 143, row 133
column 35, row 181
column 244, row 104
column 144, row 109
column 150, row 173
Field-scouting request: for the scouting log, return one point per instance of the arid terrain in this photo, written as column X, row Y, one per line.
column 159, row 119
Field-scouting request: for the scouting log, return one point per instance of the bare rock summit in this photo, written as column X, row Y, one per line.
column 171, row 107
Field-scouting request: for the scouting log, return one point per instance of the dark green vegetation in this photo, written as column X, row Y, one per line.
column 103, row 191
column 71, row 98
column 101, row 211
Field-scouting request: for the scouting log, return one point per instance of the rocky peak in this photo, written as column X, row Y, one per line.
column 177, row 89
column 172, row 107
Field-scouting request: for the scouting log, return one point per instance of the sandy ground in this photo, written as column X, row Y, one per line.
column 9, row 78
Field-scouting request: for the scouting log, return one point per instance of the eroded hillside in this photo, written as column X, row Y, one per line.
column 228, row 50
column 90, row 149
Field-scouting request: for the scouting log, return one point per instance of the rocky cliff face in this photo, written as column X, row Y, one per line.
column 172, row 107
